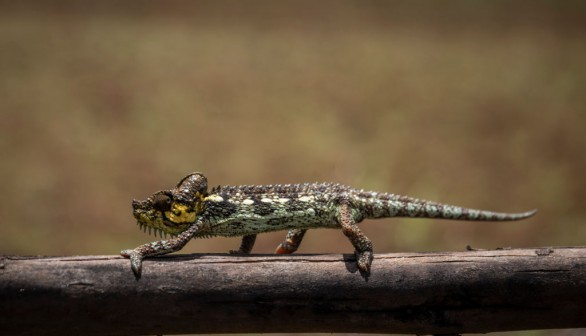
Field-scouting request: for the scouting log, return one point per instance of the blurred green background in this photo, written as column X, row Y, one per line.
column 476, row 103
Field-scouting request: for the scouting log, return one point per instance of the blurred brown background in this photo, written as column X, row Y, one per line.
column 477, row 103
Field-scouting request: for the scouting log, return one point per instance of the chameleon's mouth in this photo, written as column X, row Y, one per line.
column 147, row 220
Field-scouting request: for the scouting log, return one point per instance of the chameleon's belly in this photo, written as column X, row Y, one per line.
column 245, row 218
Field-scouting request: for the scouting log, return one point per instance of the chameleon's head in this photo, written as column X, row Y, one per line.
column 172, row 211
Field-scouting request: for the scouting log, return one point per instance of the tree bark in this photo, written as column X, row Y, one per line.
column 414, row 293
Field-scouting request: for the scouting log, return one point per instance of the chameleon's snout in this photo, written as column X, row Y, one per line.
column 139, row 205
column 135, row 203
column 138, row 208
column 135, row 208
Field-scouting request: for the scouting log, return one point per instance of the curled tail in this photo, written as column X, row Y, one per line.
column 379, row 205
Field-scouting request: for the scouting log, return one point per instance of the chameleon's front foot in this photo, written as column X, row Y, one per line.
column 135, row 261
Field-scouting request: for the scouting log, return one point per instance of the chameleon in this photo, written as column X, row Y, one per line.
column 190, row 211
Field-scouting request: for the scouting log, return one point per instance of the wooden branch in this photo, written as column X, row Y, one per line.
column 415, row 293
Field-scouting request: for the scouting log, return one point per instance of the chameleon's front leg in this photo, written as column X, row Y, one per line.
column 157, row 248
column 246, row 245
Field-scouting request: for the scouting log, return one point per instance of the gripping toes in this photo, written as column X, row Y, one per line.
column 364, row 260
column 126, row 253
column 292, row 241
column 135, row 261
column 246, row 245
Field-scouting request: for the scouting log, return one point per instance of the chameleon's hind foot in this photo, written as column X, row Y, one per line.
column 364, row 260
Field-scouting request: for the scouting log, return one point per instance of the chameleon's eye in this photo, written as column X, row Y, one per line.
column 162, row 202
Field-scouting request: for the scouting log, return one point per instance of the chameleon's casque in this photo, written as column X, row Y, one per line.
column 191, row 211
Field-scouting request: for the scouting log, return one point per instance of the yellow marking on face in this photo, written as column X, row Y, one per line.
column 183, row 215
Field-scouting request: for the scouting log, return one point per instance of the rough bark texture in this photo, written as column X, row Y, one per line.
column 415, row 293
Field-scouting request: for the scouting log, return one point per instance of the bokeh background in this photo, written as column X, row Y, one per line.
column 476, row 103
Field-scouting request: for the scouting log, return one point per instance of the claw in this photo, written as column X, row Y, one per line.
column 283, row 248
column 136, row 264
column 135, row 261
column 126, row 253
column 364, row 260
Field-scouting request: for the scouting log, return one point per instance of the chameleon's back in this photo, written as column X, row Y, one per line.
column 240, row 210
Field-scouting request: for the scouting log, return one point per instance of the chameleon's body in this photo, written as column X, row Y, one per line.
column 191, row 211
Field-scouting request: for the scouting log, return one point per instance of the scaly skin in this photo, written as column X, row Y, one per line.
column 191, row 211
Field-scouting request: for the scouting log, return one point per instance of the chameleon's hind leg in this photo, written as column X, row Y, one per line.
column 361, row 243
column 246, row 245
column 291, row 242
